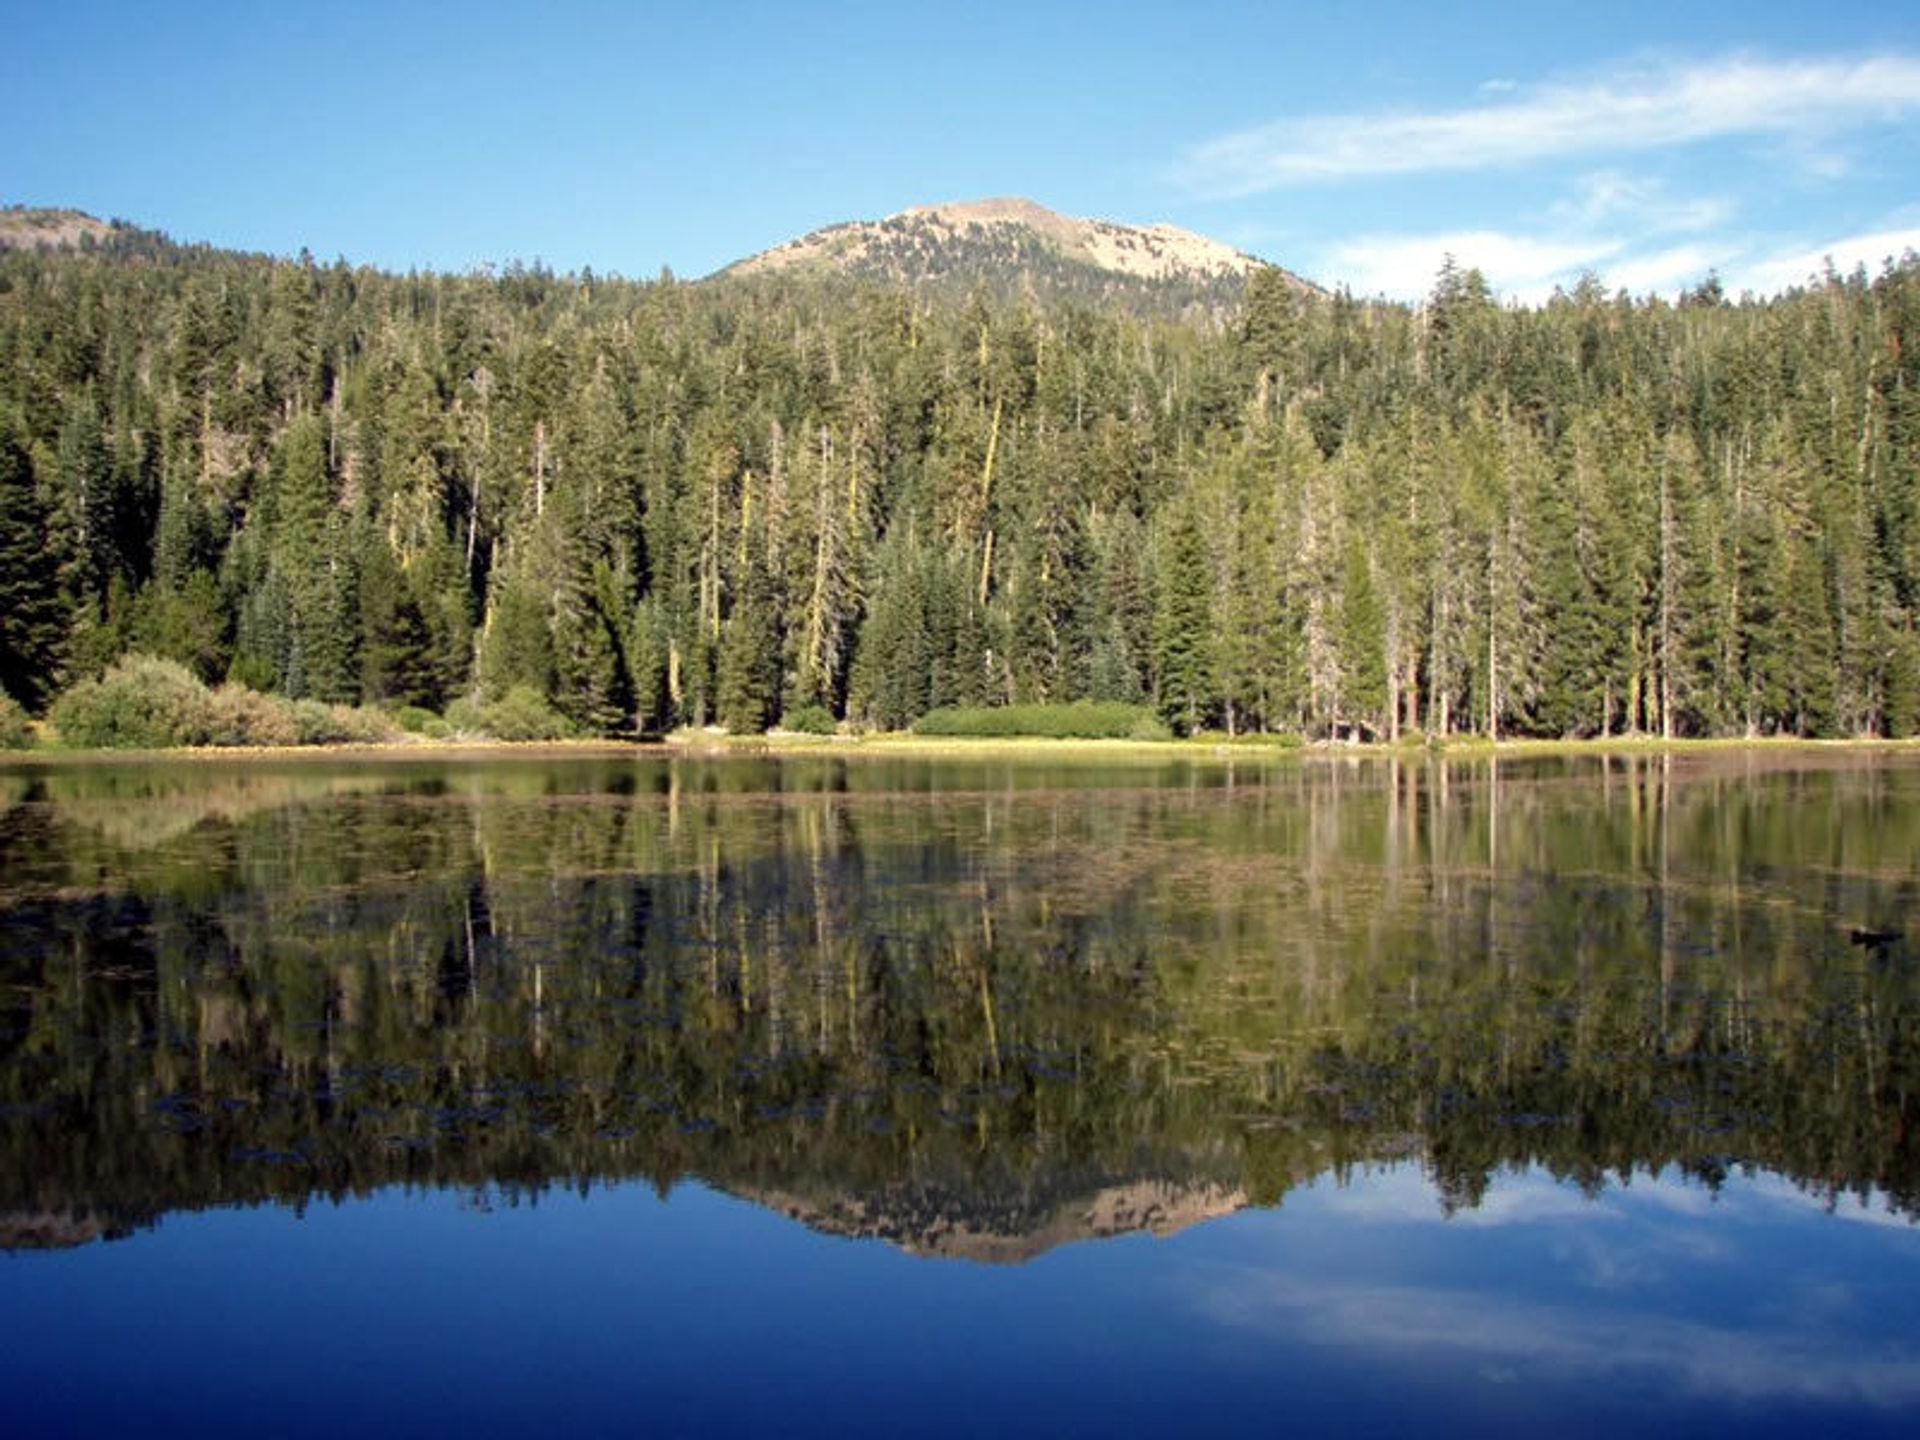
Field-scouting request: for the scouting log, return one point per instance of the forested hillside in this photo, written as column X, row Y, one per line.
column 665, row 503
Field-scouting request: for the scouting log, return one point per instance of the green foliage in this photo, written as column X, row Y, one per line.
column 397, row 650
column 809, row 720
column 316, row 724
column 141, row 703
column 518, row 715
column 322, row 724
column 413, row 719
column 239, row 716
column 144, row 702
column 1183, row 626
column 1079, row 720
column 16, row 730
column 749, row 673
column 1253, row 739
column 516, row 649
column 1362, row 641
column 188, row 624
column 34, row 621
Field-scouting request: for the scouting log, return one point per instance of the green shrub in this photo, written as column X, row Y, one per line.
column 809, row 720
column 1150, row 727
column 365, row 724
column 521, row 714
column 141, row 703
column 1080, row 720
column 414, row 719
column 321, row 724
column 465, row 717
column 239, row 716
column 144, row 703
column 16, row 731
column 252, row 671
column 315, row 723
column 436, row 729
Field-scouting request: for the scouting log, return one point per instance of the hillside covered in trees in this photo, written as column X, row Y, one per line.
column 661, row 503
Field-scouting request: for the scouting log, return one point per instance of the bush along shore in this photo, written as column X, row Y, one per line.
column 143, row 702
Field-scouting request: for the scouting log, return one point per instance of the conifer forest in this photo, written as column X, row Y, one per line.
column 738, row 501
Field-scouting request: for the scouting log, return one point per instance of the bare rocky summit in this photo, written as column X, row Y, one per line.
column 1013, row 243
column 924, row 1220
column 24, row 228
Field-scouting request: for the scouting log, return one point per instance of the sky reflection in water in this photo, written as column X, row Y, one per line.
column 1655, row 1305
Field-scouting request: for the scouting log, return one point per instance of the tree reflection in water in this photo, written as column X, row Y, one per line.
column 972, row 1008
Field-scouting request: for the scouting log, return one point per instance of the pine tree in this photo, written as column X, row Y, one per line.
column 892, row 672
column 516, row 646
column 1363, row 652
column 592, row 686
column 33, row 614
column 1183, row 625
column 1270, row 334
column 86, row 484
column 397, row 654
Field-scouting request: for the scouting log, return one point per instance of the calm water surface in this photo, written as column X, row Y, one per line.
column 648, row 1095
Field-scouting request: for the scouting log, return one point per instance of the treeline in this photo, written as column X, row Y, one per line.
column 656, row 504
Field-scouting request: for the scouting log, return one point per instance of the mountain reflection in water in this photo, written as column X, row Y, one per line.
column 973, row 1009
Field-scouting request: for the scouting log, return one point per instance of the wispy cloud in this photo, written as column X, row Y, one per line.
column 1631, row 109
column 1522, row 267
column 1529, row 268
column 1610, row 195
column 1745, row 1363
column 1406, row 1195
column 1664, row 272
column 1766, row 274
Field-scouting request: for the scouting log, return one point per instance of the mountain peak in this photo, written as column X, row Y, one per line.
column 1012, row 242
column 34, row 228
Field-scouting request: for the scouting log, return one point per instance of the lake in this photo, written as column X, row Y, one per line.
column 652, row 1094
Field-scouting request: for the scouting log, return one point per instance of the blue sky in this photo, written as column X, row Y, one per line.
column 1646, row 142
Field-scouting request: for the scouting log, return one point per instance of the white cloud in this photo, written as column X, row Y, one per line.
column 1735, row 1361
column 1405, row 1194
column 1521, row 267
column 1665, row 272
column 1646, row 204
column 1630, row 110
column 1767, row 274
column 1528, row 268
column 1875, row 1209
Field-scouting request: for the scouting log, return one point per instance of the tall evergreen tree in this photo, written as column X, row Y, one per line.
column 33, row 613
column 1183, row 625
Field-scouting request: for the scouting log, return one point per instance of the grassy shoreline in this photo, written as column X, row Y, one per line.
column 715, row 744
column 1458, row 748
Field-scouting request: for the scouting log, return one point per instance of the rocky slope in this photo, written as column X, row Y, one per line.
column 1004, row 245
column 929, row 1220
column 24, row 228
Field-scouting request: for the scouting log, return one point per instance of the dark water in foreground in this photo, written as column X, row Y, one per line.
column 650, row 1096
